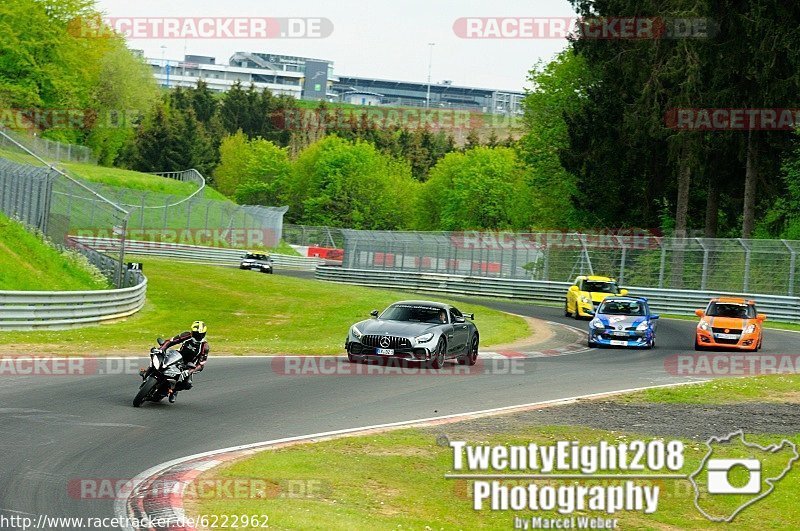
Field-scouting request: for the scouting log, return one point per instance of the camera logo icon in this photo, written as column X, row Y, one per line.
column 737, row 469
column 719, row 476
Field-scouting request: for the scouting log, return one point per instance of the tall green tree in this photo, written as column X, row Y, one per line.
column 481, row 188
column 558, row 91
column 350, row 184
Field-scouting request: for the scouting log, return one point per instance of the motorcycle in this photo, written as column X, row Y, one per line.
column 161, row 376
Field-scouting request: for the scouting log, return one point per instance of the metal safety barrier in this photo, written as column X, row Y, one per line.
column 197, row 254
column 675, row 302
column 33, row 310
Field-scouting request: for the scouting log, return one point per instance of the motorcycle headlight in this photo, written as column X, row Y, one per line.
column 357, row 332
column 424, row 338
column 598, row 324
column 156, row 362
column 704, row 326
column 750, row 329
column 643, row 326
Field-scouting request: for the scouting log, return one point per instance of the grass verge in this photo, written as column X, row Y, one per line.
column 772, row 388
column 27, row 263
column 121, row 179
column 395, row 480
column 246, row 312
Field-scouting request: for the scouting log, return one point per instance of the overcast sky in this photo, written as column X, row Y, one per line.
column 383, row 39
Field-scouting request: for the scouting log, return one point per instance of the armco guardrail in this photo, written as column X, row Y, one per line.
column 777, row 308
column 32, row 310
column 197, row 254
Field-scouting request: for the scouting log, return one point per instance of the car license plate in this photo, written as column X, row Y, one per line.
column 619, row 343
column 727, row 336
column 384, row 352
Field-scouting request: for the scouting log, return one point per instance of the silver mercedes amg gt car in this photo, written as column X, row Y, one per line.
column 416, row 331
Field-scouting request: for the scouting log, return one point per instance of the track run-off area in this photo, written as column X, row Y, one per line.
column 56, row 431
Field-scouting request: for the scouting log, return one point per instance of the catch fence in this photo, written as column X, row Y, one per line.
column 635, row 259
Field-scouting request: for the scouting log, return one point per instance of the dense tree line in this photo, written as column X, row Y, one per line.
column 631, row 168
column 55, row 62
column 597, row 148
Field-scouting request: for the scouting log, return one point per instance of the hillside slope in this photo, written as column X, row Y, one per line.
column 29, row 264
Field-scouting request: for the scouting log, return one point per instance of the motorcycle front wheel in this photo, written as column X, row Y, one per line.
column 144, row 391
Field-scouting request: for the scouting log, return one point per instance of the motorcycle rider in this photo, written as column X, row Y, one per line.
column 194, row 350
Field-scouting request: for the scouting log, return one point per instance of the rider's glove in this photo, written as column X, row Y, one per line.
column 184, row 375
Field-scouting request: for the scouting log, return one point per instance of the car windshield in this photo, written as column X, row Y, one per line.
column 251, row 256
column 733, row 310
column 621, row 308
column 600, row 287
column 413, row 313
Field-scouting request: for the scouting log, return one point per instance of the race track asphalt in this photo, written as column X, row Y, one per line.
column 58, row 430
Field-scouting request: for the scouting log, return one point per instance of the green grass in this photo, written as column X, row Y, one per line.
column 134, row 180
column 118, row 178
column 395, row 480
column 284, row 248
column 18, row 156
column 132, row 189
column 772, row 388
column 246, row 312
column 27, row 263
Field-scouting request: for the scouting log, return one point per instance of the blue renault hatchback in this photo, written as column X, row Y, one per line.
column 623, row 322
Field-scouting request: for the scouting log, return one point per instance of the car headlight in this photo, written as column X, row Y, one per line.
column 750, row 329
column 643, row 326
column 598, row 324
column 585, row 299
column 704, row 326
column 357, row 332
column 424, row 338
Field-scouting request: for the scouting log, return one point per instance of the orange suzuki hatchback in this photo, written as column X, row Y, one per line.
column 730, row 323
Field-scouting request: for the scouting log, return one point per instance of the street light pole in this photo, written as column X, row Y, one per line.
column 430, row 66
column 164, row 63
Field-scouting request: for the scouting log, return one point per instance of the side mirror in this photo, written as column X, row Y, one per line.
column 655, row 317
column 700, row 313
column 374, row 313
column 160, row 341
column 574, row 289
column 761, row 317
column 470, row 316
column 623, row 292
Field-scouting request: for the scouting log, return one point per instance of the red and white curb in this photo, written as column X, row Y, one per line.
column 148, row 500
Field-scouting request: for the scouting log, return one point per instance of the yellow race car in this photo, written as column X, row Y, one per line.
column 588, row 292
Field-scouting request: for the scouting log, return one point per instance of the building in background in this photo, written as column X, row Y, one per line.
column 442, row 95
column 314, row 79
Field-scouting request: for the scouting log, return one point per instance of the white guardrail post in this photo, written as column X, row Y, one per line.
column 675, row 302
